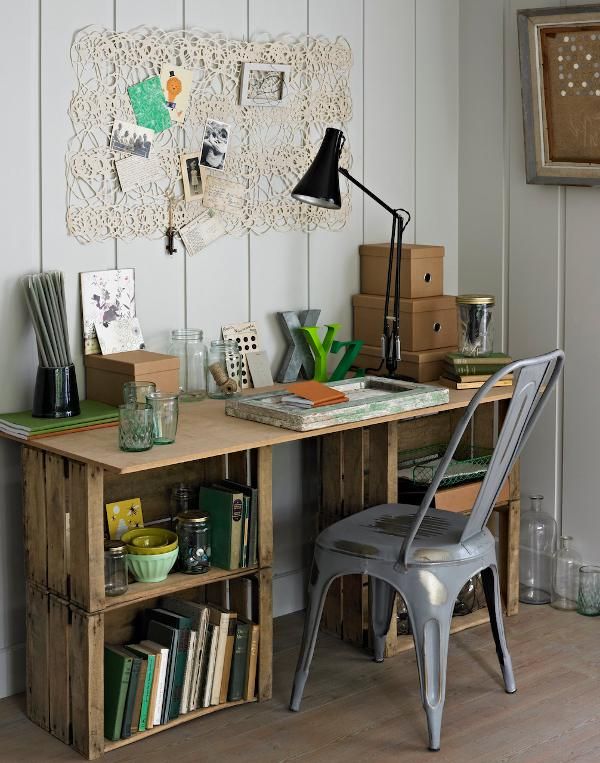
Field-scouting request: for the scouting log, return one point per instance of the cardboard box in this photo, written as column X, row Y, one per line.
column 422, row 366
column 421, row 270
column 106, row 374
column 462, row 497
column 425, row 324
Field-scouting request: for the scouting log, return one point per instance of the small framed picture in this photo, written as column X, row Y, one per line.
column 214, row 144
column 190, row 174
column 263, row 84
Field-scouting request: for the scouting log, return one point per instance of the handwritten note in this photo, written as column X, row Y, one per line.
column 222, row 194
column 134, row 171
column 201, row 231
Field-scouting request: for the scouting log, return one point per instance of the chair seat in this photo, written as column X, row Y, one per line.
column 377, row 533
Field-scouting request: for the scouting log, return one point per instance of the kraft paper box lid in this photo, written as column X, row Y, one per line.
column 422, row 305
column 409, row 251
column 133, row 362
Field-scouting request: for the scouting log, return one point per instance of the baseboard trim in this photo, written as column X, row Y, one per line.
column 12, row 670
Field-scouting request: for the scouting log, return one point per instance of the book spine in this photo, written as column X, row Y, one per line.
column 160, row 694
column 219, row 659
column 210, row 666
column 146, row 695
column 228, row 658
column 237, row 524
column 191, row 656
column 472, row 369
column 179, row 675
column 253, row 541
column 252, row 654
column 131, row 692
column 239, row 663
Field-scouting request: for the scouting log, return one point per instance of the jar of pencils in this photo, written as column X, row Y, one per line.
column 475, row 324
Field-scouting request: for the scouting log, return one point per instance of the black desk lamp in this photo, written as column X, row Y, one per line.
column 320, row 186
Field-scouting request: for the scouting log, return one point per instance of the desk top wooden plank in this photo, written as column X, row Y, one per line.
column 205, row 431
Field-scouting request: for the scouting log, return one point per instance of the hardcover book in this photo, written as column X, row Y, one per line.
column 183, row 626
column 160, row 670
column 117, row 671
column 149, row 659
column 226, row 512
column 166, row 636
column 239, row 662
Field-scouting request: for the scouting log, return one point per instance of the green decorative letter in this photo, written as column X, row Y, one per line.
column 352, row 349
column 320, row 349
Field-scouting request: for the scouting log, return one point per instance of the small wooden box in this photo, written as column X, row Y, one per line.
column 425, row 324
column 106, row 374
column 422, row 366
column 421, row 270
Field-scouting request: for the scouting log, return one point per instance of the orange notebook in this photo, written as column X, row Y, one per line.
column 318, row 394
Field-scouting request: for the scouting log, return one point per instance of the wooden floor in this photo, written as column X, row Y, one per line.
column 355, row 710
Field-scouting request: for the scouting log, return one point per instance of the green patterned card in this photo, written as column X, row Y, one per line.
column 149, row 104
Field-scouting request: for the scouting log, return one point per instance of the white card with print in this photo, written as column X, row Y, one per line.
column 120, row 336
column 246, row 337
column 106, row 296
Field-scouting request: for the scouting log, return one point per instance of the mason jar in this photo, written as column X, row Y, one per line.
column 194, row 536
column 475, row 324
column 115, row 567
column 187, row 345
column 224, row 369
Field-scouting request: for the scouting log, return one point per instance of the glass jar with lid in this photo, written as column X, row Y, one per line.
column 115, row 567
column 475, row 324
column 536, row 553
column 188, row 346
column 194, row 536
column 224, row 369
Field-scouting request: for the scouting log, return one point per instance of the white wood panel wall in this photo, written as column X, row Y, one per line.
column 536, row 249
column 405, row 146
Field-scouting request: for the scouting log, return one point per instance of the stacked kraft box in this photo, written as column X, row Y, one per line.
column 427, row 316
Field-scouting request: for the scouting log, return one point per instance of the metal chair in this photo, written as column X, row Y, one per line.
column 428, row 555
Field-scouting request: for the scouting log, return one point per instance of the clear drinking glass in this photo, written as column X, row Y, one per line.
column 588, row 601
column 537, row 549
column 135, row 427
column 136, row 391
column 165, row 412
column 565, row 577
column 188, row 346
column 224, row 369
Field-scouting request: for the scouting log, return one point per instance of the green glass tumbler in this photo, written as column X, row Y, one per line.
column 136, row 432
column 165, row 412
column 588, row 601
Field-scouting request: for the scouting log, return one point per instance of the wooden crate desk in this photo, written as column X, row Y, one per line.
column 68, row 479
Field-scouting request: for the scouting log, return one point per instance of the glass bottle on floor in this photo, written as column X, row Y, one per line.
column 565, row 575
column 537, row 549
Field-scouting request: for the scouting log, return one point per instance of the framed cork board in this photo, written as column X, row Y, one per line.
column 560, row 80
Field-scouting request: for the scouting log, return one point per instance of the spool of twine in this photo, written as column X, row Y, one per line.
column 229, row 387
column 218, row 374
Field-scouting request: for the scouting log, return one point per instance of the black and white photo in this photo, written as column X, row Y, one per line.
column 131, row 139
column 214, row 144
column 190, row 175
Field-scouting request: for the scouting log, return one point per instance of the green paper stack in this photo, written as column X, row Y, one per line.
column 24, row 426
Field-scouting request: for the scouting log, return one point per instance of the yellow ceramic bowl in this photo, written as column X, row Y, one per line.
column 149, row 540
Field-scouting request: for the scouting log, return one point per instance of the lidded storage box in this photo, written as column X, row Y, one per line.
column 106, row 374
column 423, row 366
column 421, row 270
column 425, row 324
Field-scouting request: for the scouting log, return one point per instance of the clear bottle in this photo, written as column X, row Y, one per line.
column 224, row 369
column 537, row 549
column 188, row 346
column 115, row 567
column 565, row 575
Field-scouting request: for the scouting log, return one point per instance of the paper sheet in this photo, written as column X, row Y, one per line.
column 134, row 171
column 176, row 85
column 201, row 231
column 222, row 194
column 120, row 336
column 149, row 104
column 260, row 370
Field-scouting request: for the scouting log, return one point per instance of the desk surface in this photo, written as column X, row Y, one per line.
column 204, row 431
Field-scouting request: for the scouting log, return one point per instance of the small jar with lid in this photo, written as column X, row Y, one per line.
column 115, row 567
column 224, row 369
column 475, row 324
column 194, row 536
column 184, row 498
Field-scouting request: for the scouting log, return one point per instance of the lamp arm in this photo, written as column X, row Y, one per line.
column 343, row 171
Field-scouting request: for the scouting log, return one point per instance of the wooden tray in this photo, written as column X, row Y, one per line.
column 369, row 397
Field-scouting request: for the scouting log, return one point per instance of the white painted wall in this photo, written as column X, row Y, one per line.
column 536, row 249
column 404, row 135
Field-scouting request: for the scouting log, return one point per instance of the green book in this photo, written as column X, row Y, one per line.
column 117, row 672
column 131, row 694
column 226, row 510
column 237, row 676
column 92, row 412
column 252, row 494
column 150, row 659
column 493, row 359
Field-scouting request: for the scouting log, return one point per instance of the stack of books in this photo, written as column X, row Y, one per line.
column 465, row 372
column 24, row 426
column 233, row 511
column 312, row 394
column 194, row 656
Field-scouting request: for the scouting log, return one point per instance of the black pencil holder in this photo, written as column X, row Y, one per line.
column 55, row 395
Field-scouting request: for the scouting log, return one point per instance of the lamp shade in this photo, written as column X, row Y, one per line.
column 320, row 184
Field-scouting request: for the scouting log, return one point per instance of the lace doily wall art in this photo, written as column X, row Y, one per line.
column 270, row 147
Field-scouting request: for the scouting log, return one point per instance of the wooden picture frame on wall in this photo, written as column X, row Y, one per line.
column 559, row 52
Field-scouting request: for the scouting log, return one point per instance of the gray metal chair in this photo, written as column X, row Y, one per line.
column 428, row 555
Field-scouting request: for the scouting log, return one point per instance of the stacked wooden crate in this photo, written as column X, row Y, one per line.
column 427, row 316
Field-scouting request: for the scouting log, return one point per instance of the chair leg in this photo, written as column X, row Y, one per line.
column 317, row 592
column 431, row 631
column 382, row 608
column 491, row 587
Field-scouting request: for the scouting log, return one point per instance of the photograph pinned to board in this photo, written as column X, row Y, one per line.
column 263, row 84
column 202, row 231
column 149, row 104
column 176, row 82
column 131, row 139
column 106, row 296
column 215, row 144
column 247, row 339
column 225, row 195
column 133, row 171
column 122, row 335
column 191, row 177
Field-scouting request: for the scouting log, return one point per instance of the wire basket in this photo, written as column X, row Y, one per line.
column 470, row 462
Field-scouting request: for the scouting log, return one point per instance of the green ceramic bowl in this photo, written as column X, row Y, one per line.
column 149, row 541
column 151, row 568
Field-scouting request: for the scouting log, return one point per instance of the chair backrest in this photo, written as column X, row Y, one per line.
column 535, row 380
